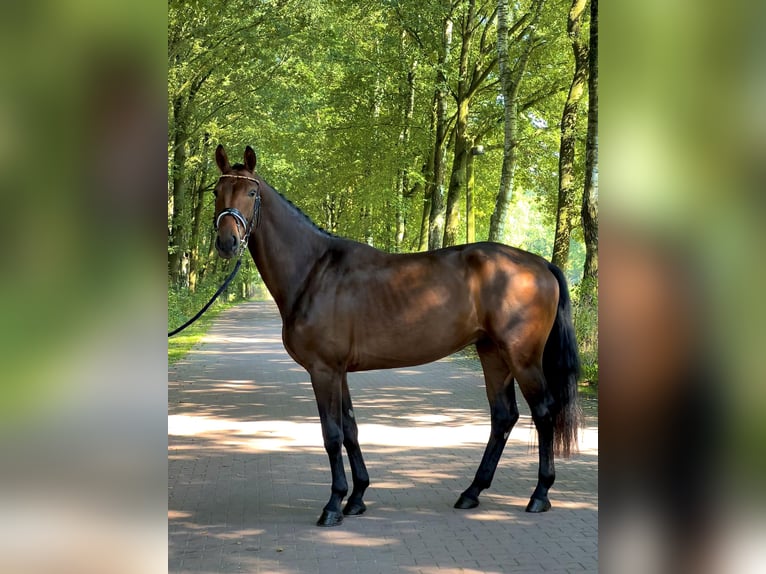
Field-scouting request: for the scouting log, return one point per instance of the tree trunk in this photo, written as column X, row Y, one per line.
column 423, row 242
column 503, row 199
column 470, row 216
column 194, row 243
column 436, row 215
column 428, row 178
column 566, row 210
column 589, row 210
column 424, row 220
column 510, row 81
column 457, row 178
column 178, row 240
column 404, row 140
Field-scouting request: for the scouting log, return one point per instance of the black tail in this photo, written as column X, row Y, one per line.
column 561, row 365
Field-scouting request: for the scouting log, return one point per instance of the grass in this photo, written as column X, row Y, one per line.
column 185, row 341
column 181, row 306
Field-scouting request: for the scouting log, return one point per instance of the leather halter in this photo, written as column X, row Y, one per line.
column 246, row 225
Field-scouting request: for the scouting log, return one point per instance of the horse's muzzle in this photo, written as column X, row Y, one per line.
column 227, row 246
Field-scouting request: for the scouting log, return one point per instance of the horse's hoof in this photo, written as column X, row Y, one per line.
column 354, row 508
column 538, row 505
column 330, row 518
column 465, row 502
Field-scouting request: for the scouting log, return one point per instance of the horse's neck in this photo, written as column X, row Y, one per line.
column 285, row 248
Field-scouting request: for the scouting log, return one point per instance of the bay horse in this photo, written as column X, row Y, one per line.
column 346, row 307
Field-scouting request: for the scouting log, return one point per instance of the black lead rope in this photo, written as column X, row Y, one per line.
column 217, row 293
column 256, row 218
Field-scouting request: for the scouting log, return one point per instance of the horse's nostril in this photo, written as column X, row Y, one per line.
column 227, row 244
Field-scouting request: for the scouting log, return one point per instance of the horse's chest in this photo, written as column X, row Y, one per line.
column 308, row 340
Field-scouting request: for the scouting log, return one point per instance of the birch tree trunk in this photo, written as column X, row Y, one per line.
column 510, row 81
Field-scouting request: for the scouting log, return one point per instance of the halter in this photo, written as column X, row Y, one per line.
column 247, row 226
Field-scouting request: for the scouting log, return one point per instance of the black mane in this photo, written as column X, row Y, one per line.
column 306, row 217
column 240, row 166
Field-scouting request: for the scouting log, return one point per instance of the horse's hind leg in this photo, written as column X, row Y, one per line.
column 504, row 413
column 532, row 384
column 355, row 504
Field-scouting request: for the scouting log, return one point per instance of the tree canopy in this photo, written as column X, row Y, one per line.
column 354, row 107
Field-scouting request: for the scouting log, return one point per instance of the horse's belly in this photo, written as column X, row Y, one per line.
column 408, row 348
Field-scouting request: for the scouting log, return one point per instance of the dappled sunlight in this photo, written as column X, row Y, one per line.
column 572, row 505
column 275, row 435
column 248, row 472
column 492, row 515
column 444, row 570
column 428, row 476
column 231, row 352
column 393, row 484
column 560, row 499
column 427, row 418
column 213, row 338
column 348, row 538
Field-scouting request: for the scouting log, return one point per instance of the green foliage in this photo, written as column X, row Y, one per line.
column 320, row 90
column 182, row 305
column 585, row 314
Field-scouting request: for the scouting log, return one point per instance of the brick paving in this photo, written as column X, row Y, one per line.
column 248, row 475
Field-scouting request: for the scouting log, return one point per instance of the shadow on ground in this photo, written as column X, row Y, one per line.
column 248, row 475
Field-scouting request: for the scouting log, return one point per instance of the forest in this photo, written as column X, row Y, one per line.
column 405, row 124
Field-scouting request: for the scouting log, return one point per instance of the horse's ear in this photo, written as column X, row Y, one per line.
column 250, row 159
column 221, row 159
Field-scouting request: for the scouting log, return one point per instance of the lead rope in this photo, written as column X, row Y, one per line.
column 255, row 219
column 205, row 308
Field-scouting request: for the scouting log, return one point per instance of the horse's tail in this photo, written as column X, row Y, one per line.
column 561, row 365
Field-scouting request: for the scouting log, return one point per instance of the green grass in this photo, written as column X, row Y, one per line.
column 181, row 306
column 185, row 341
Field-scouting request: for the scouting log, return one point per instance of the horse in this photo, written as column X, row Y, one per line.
column 347, row 307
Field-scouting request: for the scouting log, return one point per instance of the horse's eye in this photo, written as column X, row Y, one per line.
column 252, row 193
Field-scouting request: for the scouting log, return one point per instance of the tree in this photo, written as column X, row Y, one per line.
column 473, row 70
column 210, row 84
column 566, row 211
column 437, row 211
column 522, row 32
column 589, row 209
column 356, row 110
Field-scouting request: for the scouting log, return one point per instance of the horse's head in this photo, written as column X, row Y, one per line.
column 237, row 202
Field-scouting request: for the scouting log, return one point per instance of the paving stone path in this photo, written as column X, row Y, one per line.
column 248, row 475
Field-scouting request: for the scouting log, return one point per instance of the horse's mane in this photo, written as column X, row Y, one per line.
column 291, row 204
column 306, row 217
column 300, row 212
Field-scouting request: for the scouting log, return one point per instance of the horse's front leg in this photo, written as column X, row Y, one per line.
column 355, row 504
column 327, row 385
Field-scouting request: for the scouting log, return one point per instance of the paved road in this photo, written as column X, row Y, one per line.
column 248, row 475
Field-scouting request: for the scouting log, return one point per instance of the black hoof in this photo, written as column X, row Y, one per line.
column 537, row 505
column 330, row 518
column 465, row 502
column 354, row 508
